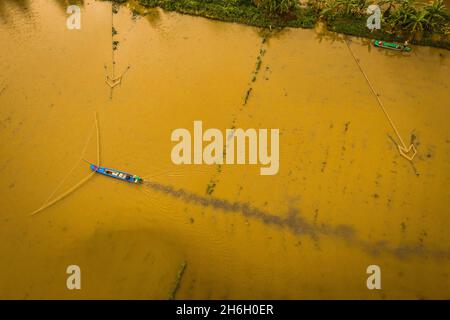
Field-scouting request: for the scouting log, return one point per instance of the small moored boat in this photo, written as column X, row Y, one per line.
column 391, row 45
column 128, row 177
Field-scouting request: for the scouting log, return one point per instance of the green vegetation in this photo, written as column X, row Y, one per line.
column 426, row 24
column 260, row 13
column 402, row 20
column 275, row 7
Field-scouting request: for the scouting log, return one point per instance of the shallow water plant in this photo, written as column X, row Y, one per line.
column 177, row 280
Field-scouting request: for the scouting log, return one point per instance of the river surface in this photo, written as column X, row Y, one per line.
column 342, row 200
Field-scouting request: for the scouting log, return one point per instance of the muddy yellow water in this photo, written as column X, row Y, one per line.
column 343, row 199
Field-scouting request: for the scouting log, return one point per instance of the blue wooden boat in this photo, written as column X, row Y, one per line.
column 128, row 177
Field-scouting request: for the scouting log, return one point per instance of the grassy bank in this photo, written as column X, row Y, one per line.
column 240, row 11
column 402, row 19
column 357, row 27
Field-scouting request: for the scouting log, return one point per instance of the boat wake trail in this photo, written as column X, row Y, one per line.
column 292, row 221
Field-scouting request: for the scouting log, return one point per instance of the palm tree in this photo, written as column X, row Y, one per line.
column 417, row 22
column 436, row 15
column 402, row 15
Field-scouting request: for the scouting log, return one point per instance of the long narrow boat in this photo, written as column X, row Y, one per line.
column 128, row 177
column 391, row 45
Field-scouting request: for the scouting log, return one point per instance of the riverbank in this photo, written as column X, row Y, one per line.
column 245, row 12
column 236, row 11
column 357, row 27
